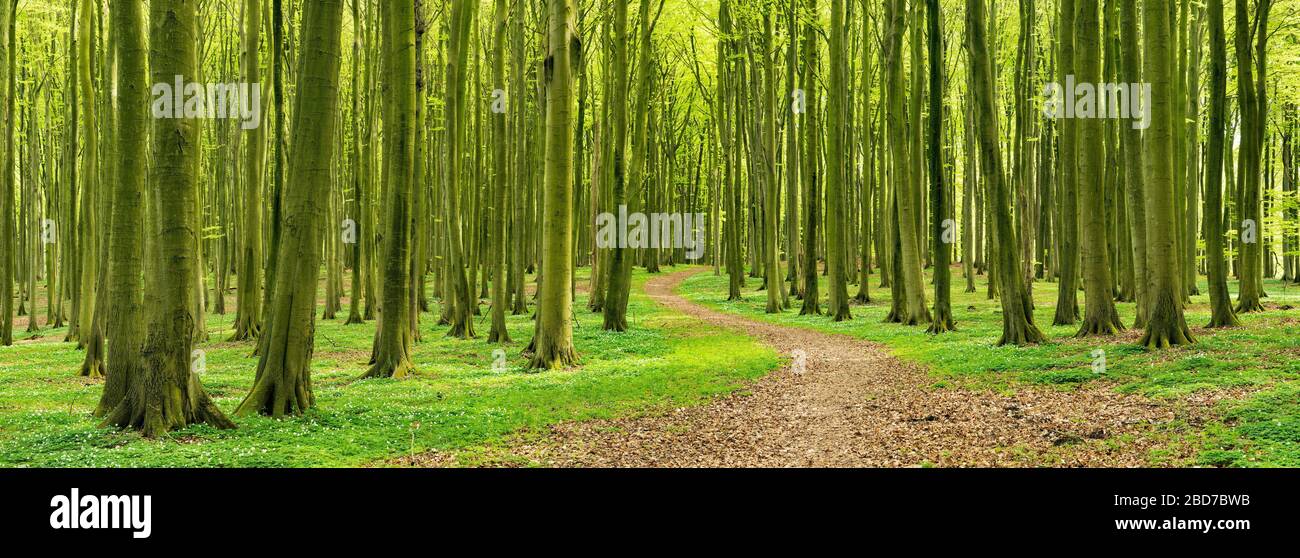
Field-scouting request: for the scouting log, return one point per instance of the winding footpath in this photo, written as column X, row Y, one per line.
column 854, row 405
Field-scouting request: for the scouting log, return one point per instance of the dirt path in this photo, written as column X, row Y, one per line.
column 855, row 405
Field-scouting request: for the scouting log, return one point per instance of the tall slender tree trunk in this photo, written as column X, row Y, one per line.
column 91, row 320
column 1017, row 311
column 1222, row 313
column 498, row 334
column 358, row 207
column 392, row 355
column 249, row 296
column 836, row 148
column 1253, row 109
column 620, row 271
column 7, row 182
column 811, row 158
column 1166, row 325
column 1131, row 142
column 553, row 341
column 939, row 203
column 282, row 385
column 1067, row 306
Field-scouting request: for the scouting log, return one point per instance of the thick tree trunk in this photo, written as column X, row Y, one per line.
column 166, row 394
column 126, row 292
column 1100, row 317
column 392, row 354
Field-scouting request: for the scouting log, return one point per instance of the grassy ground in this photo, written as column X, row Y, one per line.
column 457, row 400
column 1257, row 363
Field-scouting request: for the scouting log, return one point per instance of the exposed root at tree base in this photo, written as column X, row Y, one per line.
column 1246, row 306
column 395, row 367
column 1105, row 326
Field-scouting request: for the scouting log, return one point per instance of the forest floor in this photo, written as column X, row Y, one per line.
column 844, row 401
column 699, row 380
column 462, row 396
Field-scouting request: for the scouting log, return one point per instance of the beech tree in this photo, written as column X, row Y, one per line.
column 1166, row 325
column 395, row 335
column 939, row 204
column 248, row 311
column 1222, row 313
column 7, row 182
column 1100, row 317
column 282, row 385
column 553, row 341
column 1017, row 310
column 166, row 394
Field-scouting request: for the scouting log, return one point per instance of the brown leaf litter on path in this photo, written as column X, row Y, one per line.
column 854, row 405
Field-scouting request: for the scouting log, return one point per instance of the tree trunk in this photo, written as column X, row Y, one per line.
column 249, row 296
column 553, row 341
column 1100, row 317
column 939, row 204
column 283, row 382
column 166, row 394
column 392, row 355
column 1165, row 323
column 1221, row 311
column 1017, row 311
column 1067, row 306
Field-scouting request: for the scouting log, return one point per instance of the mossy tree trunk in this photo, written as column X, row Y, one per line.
column 248, row 313
column 392, row 354
column 1253, row 110
column 811, row 159
column 358, row 206
column 126, row 292
column 498, row 333
column 458, row 44
column 7, row 182
column 1017, row 311
column 614, row 309
column 836, row 148
column 166, row 394
column 553, row 341
column 940, row 206
column 1222, row 313
column 1166, row 325
column 1100, row 317
column 1067, row 305
column 91, row 336
column 1131, row 144
column 283, row 382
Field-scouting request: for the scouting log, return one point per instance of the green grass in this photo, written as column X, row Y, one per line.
column 457, row 400
column 1260, row 360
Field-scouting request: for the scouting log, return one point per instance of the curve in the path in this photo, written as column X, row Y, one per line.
column 855, row 405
